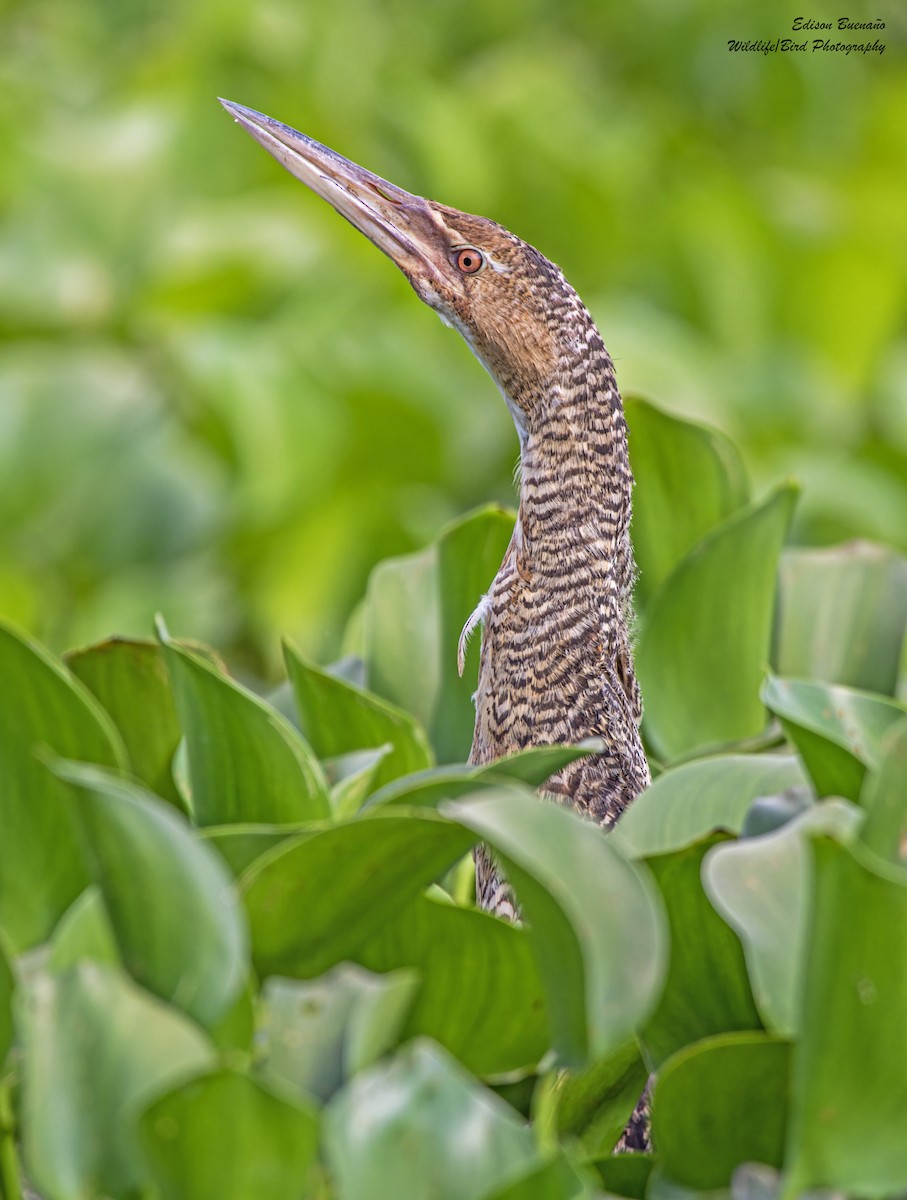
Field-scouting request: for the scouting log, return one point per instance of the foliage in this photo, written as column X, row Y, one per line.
column 239, row 956
column 217, row 400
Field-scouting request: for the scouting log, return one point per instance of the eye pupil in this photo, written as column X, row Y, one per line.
column 469, row 261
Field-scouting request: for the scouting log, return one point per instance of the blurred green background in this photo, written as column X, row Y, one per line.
column 218, row 401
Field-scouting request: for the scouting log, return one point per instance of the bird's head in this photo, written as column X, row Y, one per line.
column 481, row 279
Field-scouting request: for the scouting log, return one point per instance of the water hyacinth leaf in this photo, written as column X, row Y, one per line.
column 706, row 990
column 842, row 614
column 601, row 977
column 470, row 552
column 594, row 1104
column 96, row 1049
column 129, row 678
column 699, row 670
column 689, row 478
column 399, row 1130
column 847, row 1108
column 762, row 888
column 556, row 1179
column 177, row 921
column 240, row 845
column 719, row 1103
column 625, row 1174
column 490, row 959
column 246, row 762
column 225, row 1135
column 401, row 632
column 687, row 802
column 316, row 1033
column 84, row 931
column 313, row 900
column 42, row 709
column 884, row 797
column 358, row 781
column 531, row 766
column 338, row 718
column 837, row 731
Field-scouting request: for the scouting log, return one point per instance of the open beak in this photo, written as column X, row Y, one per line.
column 397, row 222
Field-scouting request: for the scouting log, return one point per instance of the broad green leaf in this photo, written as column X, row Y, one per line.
column 719, row 1103
column 317, row 1033
column 337, row 718
column 419, row 1125
column 837, row 731
column 240, row 845
column 246, row 762
column 129, row 678
column 470, row 553
column 689, row 478
column 706, row 990
column 842, row 614
column 592, row 1105
column 884, row 797
column 178, row 924
column 689, row 801
column 42, row 708
column 96, row 1049
column 847, row 1107
column 7, row 988
column 625, row 1174
column 705, row 636
column 595, row 922
column 414, row 612
column 491, row 960
column 359, row 780
column 226, row 1136
column 314, row 899
column 531, row 766
column 401, row 632
column 556, row 1179
column 762, row 887
column 84, row 931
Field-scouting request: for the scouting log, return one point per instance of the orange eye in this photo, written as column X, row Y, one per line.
column 469, row 260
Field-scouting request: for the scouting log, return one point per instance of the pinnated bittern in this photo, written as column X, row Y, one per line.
column 555, row 663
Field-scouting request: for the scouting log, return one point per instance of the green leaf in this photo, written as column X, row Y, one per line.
column 96, row 1049
column 337, row 718
column 601, row 973
column 592, row 1105
column 400, row 1130
column 707, row 988
column 467, row 961
column 129, row 678
column 556, row 1179
column 847, row 1109
column 177, row 921
column 415, row 609
column 84, row 931
column 315, row 1034
column 837, row 731
column 225, row 1135
column 842, row 615
column 625, row 1174
column 700, row 668
column 687, row 802
column 720, row 1103
column 359, row 780
column 884, row 797
column 42, row 866
column 314, row 899
column 531, row 766
column 689, row 478
column 246, row 762
column 762, row 888
column 240, row 845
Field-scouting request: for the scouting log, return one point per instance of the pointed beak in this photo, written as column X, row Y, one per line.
column 396, row 221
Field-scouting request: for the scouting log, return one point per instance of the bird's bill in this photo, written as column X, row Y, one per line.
column 388, row 216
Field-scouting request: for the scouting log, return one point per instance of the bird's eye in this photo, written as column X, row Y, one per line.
column 469, row 260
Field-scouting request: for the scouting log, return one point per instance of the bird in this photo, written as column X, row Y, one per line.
column 556, row 658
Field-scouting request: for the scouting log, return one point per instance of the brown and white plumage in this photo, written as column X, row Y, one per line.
column 556, row 662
